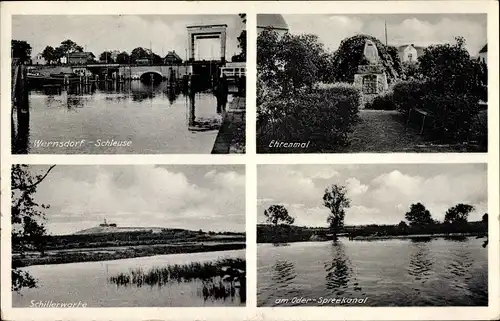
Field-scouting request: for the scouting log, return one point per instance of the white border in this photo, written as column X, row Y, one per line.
column 250, row 312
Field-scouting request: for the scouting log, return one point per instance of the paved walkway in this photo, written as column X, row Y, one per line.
column 231, row 136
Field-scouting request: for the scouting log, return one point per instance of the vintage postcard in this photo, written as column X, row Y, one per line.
column 238, row 160
column 128, row 84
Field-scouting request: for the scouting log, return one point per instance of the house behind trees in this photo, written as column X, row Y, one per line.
column 80, row 58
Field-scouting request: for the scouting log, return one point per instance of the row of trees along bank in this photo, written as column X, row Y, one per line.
column 22, row 50
column 418, row 221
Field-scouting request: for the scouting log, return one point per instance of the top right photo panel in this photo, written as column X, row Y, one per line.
column 372, row 83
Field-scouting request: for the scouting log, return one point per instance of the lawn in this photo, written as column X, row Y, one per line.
column 382, row 131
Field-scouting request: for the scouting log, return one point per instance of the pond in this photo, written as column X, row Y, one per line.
column 139, row 118
column 91, row 283
column 383, row 273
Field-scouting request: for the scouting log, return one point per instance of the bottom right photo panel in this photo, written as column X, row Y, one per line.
column 372, row 235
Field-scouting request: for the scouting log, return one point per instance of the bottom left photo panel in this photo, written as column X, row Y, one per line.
column 128, row 235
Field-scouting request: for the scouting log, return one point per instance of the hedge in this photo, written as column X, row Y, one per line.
column 323, row 115
column 453, row 112
column 408, row 95
column 384, row 101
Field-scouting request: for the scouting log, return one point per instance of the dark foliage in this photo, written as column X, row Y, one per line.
column 350, row 55
column 384, row 101
column 325, row 115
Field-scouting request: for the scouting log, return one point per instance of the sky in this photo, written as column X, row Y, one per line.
column 123, row 32
column 380, row 194
column 211, row 198
column 417, row 29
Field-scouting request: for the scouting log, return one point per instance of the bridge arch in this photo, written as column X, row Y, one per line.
column 156, row 76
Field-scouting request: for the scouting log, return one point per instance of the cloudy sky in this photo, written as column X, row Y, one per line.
column 419, row 29
column 188, row 196
column 122, row 32
column 380, row 194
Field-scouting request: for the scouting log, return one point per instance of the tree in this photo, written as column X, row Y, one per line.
column 336, row 200
column 28, row 231
column 242, row 44
column 69, row 46
column 418, row 215
column 278, row 214
column 138, row 53
column 123, row 58
column 485, row 219
column 59, row 53
column 403, row 227
column 350, row 55
column 49, row 54
column 458, row 214
column 243, row 17
column 21, row 50
column 290, row 62
column 410, row 70
column 105, row 56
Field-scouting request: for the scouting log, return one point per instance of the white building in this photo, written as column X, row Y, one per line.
column 410, row 53
column 276, row 22
column 38, row 60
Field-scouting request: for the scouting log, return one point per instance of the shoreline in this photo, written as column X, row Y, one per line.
column 107, row 254
column 392, row 237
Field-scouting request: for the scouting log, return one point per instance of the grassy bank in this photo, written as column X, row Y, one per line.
column 60, row 257
column 286, row 234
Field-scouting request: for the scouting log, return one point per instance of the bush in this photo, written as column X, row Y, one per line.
column 454, row 114
column 408, row 95
column 324, row 115
column 384, row 101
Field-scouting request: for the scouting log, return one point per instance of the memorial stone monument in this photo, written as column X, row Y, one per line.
column 371, row 76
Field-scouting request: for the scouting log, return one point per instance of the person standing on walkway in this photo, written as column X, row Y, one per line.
column 221, row 92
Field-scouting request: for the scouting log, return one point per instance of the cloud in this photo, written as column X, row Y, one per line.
column 121, row 32
column 422, row 30
column 142, row 196
column 378, row 194
column 354, row 186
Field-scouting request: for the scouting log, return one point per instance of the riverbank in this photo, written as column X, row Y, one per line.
column 417, row 236
column 231, row 136
column 267, row 233
column 109, row 253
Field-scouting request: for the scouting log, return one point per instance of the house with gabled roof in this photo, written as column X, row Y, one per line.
column 172, row 58
column 410, row 52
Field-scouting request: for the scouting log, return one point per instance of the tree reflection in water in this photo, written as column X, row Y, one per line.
column 283, row 274
column 338, row 270
column 420, row 266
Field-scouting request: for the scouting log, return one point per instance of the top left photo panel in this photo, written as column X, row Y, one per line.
column 128, row 84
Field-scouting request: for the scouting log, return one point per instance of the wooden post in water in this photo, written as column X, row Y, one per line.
column 23, row 116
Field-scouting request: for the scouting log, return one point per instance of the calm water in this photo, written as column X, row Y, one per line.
column 154, row 118
column 88, row 282
column 389, row 273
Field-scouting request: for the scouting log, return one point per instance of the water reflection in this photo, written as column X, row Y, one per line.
column 420, row 266
column 338, row 269
column 460, row 262
column 20, row 122
column 283, row 272
column 100, row 111
column 21, row 134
